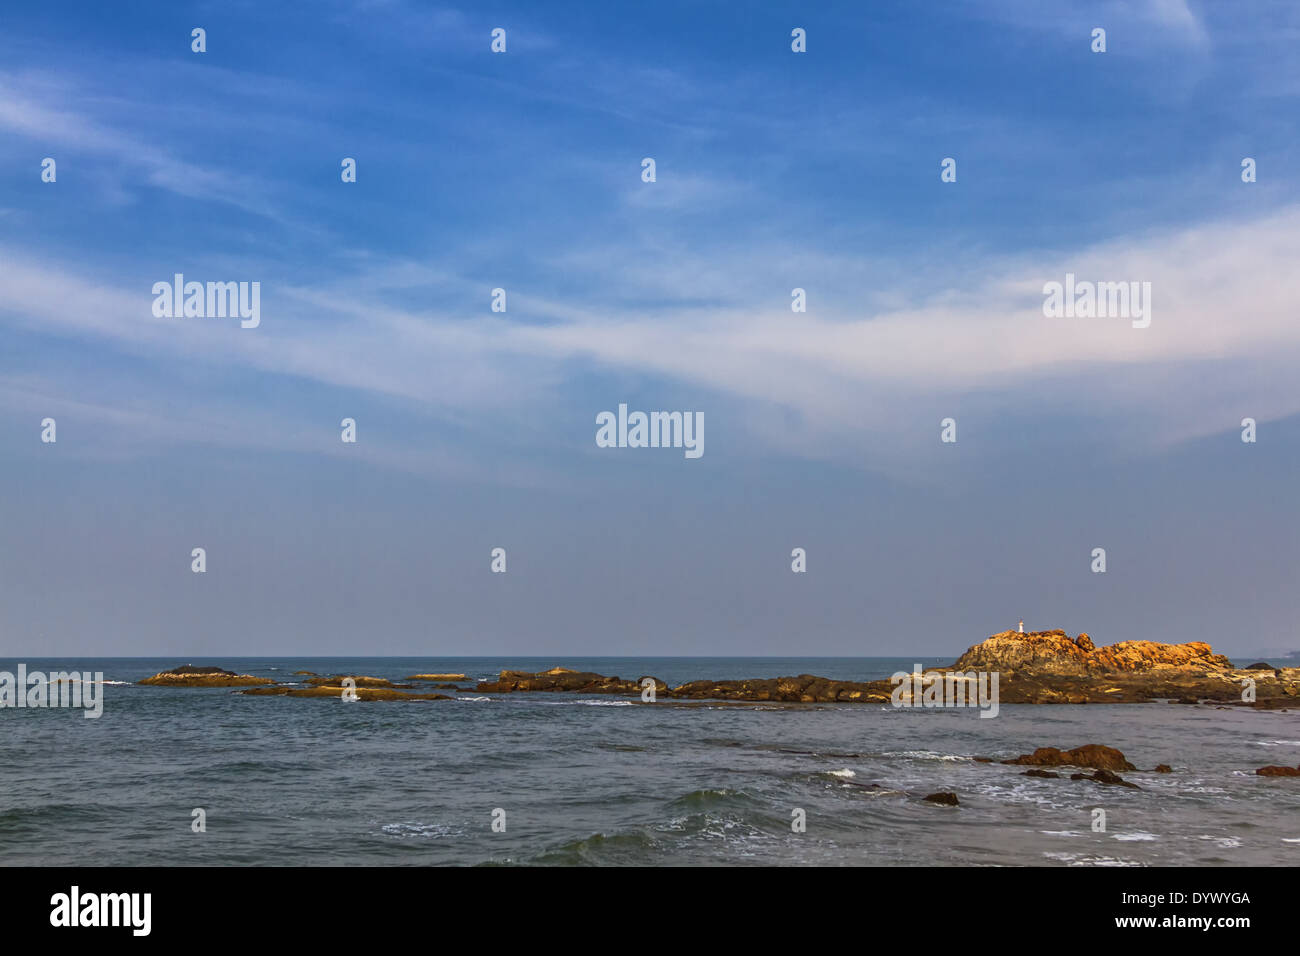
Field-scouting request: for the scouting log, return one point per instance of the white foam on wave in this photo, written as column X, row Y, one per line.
column 1136, row 837
column 473, row 698
column 846, row 772
column 1078, row 859
column 922, row 755
column 1226, row 842
column 419, row 829
column 1061, row 833
column 604, row 703
column 78, row 680
column 1276, row 743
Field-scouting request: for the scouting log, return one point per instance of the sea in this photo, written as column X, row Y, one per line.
column 581, row 779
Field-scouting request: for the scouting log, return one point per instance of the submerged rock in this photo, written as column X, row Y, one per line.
column 441, row 677
column 188, row 675
column 360, row 681
column 1105, row 776
column 336, row 691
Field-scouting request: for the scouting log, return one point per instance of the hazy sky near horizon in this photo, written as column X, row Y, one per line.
column 476, row 429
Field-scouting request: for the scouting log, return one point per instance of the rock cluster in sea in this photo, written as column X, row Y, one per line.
column 1038, row 667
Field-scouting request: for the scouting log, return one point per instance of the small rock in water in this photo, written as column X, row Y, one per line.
column 943, row 798
column 1105, row 776
column 1095, row 756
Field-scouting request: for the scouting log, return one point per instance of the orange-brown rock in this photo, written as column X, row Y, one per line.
column 1053, row 652
column 1278, row 771
column 1096, row 756
column 188, row 675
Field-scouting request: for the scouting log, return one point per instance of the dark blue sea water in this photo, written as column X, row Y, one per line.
column 587, row 779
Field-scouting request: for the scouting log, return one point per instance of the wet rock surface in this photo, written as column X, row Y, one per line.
column 1093, row 756
column 1275, row 771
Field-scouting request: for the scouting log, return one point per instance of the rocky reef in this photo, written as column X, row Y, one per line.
column 1047, row 667
column 563, row 679
column 188, row 675
column 1039, row 667
column 366, row 689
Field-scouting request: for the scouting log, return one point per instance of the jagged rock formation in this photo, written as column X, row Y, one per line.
column 1054, row 653
column 1048, row 667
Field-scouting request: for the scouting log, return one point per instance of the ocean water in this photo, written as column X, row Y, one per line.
column 587, row 779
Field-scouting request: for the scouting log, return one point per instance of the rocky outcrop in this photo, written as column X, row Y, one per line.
column 1094, row 756
column 188, row 675
column 561, row 679
column 805, row 688
column 1040, row 667
column 1275, row 771
column 1054, row 653
column 1048, row 667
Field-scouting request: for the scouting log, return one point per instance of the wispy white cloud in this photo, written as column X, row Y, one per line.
column 1221, row 340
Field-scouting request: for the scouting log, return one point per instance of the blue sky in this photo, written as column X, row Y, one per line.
column 521, row 170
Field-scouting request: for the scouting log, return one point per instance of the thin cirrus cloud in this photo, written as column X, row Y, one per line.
column 1221, row 293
